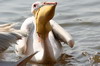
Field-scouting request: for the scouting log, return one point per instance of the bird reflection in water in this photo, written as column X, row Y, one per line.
column 64, row 60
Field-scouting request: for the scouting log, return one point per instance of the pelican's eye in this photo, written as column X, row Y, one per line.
column 35, row 5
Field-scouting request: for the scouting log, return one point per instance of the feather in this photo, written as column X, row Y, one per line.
column 61, row 34
column 23, row 61
column 9, row 35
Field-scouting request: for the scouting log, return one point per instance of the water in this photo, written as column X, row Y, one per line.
column 81, row 18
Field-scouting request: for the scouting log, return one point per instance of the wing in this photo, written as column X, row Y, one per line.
column 24, row 61
column 22, row 44
column 61, row 34
column 8, row 36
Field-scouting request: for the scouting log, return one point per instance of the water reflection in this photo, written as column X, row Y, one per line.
column 94, row 60
column 62, row 61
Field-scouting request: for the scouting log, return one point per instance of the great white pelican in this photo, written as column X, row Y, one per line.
column 44, row 34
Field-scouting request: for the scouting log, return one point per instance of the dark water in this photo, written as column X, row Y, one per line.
column 81, row 18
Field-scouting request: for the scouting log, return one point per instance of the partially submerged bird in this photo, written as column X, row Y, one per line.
column 9, row 35
column 21, row 62
column 44, row 34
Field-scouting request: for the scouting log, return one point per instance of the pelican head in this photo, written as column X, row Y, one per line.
column 43, row 12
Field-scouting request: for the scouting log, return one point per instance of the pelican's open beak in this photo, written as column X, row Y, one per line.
column 43, row 15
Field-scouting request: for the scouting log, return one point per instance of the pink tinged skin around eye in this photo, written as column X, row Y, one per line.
column 34, row 5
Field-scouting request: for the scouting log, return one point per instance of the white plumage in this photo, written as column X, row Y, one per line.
column 44, row 34
column 9, row 35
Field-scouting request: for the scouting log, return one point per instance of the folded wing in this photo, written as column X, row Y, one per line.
column 61, row 34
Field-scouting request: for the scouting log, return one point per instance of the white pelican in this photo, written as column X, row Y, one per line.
column 44, row 35
column 8, row 36
column 21, row 62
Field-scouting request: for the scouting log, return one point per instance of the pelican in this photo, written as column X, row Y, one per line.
column 9, row 35
column 44, row 34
